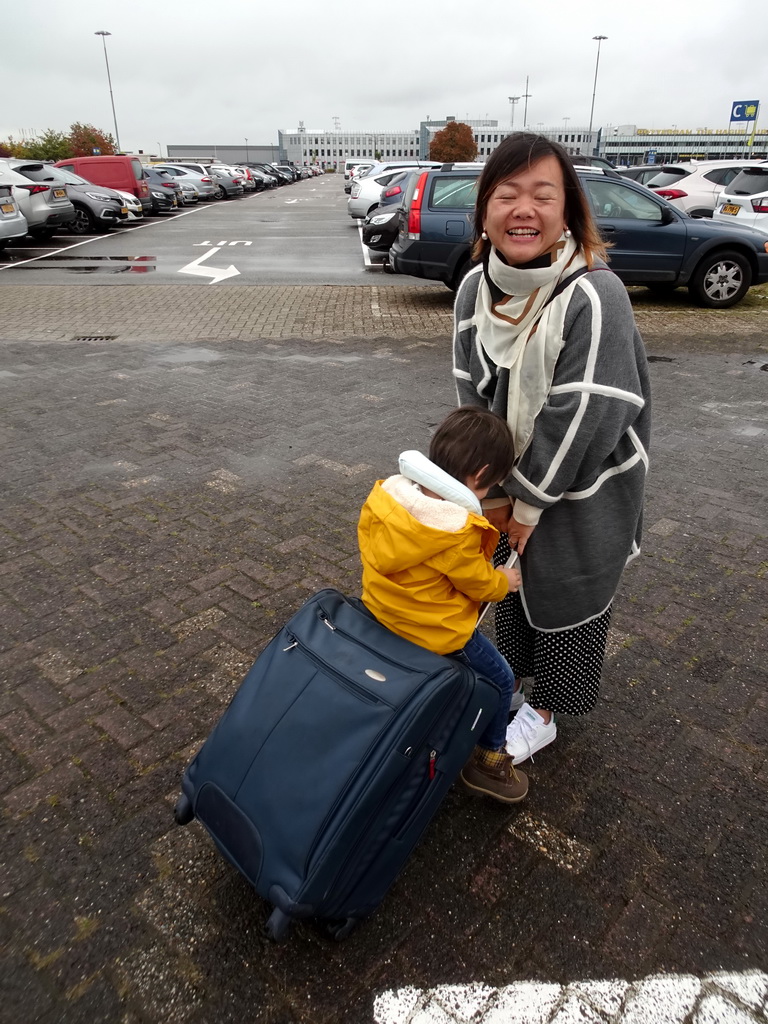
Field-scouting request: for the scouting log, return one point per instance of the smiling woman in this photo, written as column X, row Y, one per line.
column 546, row 338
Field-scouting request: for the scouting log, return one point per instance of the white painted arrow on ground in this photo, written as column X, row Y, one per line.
column 216, row 274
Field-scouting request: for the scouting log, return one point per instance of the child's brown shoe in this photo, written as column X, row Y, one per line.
column 492, row 773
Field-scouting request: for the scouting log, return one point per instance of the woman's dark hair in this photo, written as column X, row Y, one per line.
column 521, row 150
column 468, row 439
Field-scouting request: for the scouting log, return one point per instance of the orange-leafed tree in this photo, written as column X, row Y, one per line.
column 454, row 143
column 84, row 138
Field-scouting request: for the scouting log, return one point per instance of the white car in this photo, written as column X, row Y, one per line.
column 132, row 204
column 695, row 187
column 367, row 189
column 746, row 198
column 13, row 223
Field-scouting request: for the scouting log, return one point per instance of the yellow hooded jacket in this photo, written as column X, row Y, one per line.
column 426, row 565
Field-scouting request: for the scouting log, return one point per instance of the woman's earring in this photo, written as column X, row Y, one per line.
column 567, row 232
column 484, row 236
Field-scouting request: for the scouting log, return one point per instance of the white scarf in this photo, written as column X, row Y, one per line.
column 523, row 331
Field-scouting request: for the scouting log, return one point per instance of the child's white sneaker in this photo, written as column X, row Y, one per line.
column 527, row 733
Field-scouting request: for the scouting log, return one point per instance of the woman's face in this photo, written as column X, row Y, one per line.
column 525, row 214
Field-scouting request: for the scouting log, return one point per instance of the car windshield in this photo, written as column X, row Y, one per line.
column 749, row 182
column 667, row 176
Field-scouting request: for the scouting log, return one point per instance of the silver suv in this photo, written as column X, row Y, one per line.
column 97, row 208
column 46, row 207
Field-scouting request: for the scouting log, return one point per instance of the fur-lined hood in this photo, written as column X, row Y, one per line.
column 407, row 528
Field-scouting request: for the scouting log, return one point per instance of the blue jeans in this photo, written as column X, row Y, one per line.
column 480, row 654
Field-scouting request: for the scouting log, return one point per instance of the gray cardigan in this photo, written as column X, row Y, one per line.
column 583, row 473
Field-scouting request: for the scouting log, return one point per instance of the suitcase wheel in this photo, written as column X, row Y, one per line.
column 183, row 812
column 278, row 926
column 340, row 929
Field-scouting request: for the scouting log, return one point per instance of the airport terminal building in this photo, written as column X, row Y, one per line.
column 624, row 144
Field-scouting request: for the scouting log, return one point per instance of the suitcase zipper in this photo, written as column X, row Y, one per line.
column 359, row 691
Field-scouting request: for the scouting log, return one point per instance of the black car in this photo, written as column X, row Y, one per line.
column 380, row 227
column 164, row 191
column 653, row 243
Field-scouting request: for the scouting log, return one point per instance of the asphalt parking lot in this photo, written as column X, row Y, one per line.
column 183, row 466
column 297, row 234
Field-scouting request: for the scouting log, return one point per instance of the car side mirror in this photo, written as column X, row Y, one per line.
column 667, row 217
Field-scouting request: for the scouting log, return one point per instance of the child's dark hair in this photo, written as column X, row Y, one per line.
column 468, row 439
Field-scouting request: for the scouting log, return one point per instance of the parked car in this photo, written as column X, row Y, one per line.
column 226, row 181
column 694, row 187
column 267, row 180
column 164, row 190
column 366, row 191
column 353, row 167
column 132, row 204
column 246, row 176
column 746, row 198
column 654, row 244
column 117, row 172
column 380, row 228
column 198, row 168
column 46, row 208
column 201, row 181
column 283, row 177
column 189, row 193
column 642, row 172
column 13, row 223
column 289, row 169
column 96, row 208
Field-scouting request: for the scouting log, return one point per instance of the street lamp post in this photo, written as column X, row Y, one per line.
column 247, row 158
column 109, row 79
column 526, row 97
column 599, row 40
column 513, row 101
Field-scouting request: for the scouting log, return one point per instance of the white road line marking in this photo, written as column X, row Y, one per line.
column 724, row 997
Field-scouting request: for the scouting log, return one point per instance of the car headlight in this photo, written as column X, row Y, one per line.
column 99, row 196
column 159, row 195
column 382, row 218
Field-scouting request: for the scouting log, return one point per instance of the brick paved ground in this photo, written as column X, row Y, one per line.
column 168, row 502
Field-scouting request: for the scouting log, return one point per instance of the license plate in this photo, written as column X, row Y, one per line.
column 60, row 193
column 730, row 208
column 7, row 208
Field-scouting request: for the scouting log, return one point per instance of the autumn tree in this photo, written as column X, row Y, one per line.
column 84, row 138
column 455, row 143
column 5, row 149
column 51, row 145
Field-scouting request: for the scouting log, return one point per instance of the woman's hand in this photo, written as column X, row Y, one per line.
column 518, row 534
column 499, row 517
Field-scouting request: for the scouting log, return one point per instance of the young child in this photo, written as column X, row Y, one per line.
column 427, row 568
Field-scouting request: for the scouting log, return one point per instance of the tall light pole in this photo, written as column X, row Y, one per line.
column 599, row 40
column 109, row 79
column 513, row 101
column 526, row 97
column 247, row 158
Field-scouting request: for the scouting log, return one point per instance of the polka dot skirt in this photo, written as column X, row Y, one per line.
column 565, row 666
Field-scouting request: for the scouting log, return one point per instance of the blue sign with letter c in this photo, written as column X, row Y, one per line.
column 745, row 110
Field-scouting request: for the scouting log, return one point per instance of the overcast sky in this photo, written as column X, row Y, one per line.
column 219, row 71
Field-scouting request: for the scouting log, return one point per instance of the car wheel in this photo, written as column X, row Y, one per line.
column 220, row 193
column 721, row 279
column 43, row 233
column 83, row 224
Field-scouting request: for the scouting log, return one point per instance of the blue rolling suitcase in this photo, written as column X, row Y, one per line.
column 330, row 761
